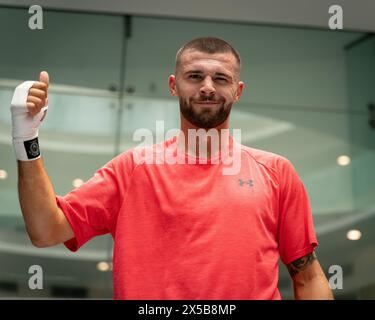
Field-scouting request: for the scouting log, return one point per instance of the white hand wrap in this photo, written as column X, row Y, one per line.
column 25, row 126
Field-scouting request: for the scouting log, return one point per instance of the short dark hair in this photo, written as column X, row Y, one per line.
column 208, row 45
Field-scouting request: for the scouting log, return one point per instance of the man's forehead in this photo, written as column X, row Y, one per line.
column 201, row 60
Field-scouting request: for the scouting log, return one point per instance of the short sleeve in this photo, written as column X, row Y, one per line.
column 92, row 208
column 296, row 234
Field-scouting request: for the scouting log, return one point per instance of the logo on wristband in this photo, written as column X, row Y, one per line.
column 32, row 148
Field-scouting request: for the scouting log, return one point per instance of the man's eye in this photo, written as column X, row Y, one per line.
column 221, row 79
column 195, row 76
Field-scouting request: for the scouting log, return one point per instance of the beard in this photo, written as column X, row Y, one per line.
column 205, row 118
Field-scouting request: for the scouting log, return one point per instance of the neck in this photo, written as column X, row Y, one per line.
column 206, row 142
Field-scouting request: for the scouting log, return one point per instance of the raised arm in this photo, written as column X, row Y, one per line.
column 45, row 222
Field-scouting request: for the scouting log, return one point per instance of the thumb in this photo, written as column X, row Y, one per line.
column 44, row 77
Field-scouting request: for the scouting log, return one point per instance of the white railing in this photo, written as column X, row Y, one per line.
column 64, row 89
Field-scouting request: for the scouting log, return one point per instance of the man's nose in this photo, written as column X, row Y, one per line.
column 207, row 87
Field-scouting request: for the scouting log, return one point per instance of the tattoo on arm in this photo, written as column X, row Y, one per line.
column 301, row 264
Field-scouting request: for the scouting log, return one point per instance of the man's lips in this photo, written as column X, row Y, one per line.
column 207, row 102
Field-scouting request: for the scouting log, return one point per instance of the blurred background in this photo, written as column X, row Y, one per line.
column 309, row 96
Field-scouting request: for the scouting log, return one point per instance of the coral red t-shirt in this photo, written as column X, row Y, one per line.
column 186, row 231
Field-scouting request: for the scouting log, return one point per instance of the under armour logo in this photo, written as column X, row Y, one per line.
column 242, row 182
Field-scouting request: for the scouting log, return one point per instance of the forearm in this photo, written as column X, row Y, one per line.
column 37, row 200
column 316, row 288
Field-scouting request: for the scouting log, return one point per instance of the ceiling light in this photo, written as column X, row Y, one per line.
column 3, row 174
column 103, row 266
column 354, row 235
column 77, row 182
column 343, row 160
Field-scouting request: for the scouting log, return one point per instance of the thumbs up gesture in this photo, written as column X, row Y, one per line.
column 38, row 94
column 28, row 107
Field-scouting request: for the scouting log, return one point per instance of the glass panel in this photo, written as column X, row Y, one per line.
column 83, row 55
column 361, row 89
column 76, row 49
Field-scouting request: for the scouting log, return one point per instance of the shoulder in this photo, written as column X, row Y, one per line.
column 124, row 163
column 270, row 160
column 131, row 159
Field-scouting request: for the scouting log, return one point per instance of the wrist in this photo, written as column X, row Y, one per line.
column 26, row 149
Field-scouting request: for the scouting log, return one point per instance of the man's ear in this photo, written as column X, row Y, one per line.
column 239, row 91
column 172, row 85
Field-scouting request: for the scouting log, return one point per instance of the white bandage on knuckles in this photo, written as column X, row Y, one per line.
column 25, row 126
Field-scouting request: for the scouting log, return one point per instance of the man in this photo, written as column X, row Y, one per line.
column 181, row 231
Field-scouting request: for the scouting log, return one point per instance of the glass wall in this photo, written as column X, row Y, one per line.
column 83, row 54
column 306, row 97
column 361, row 95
